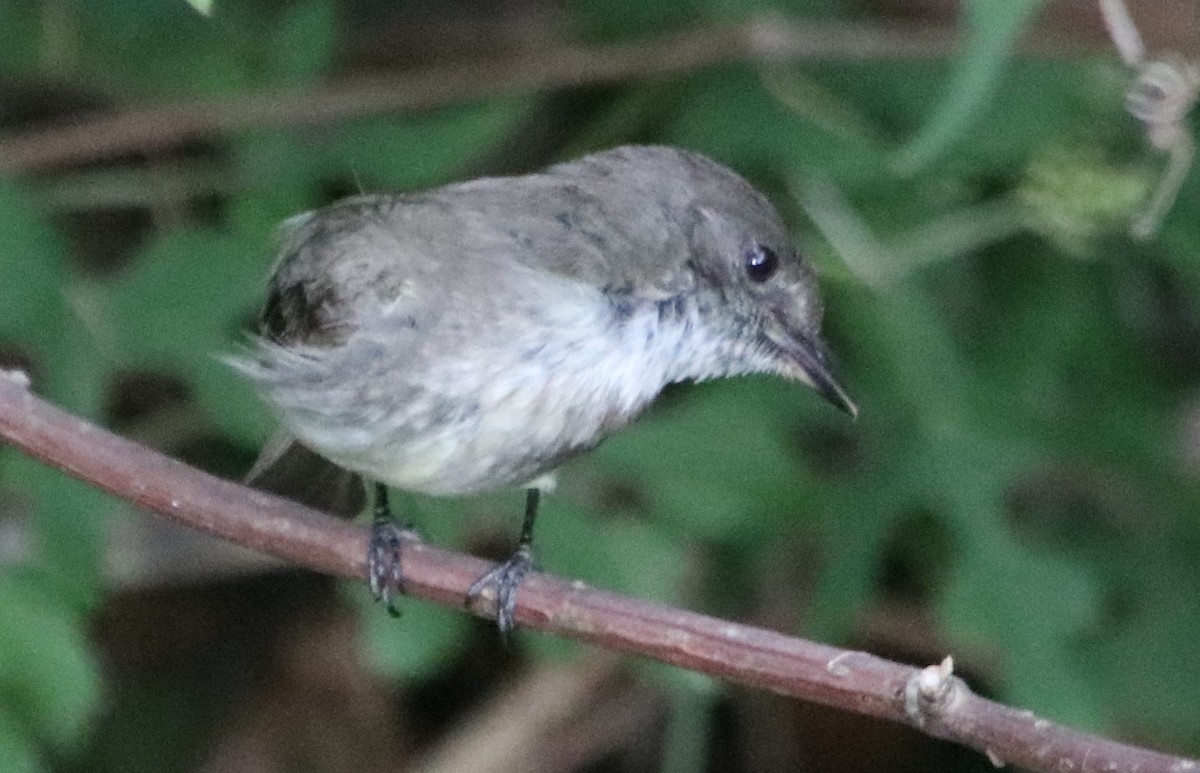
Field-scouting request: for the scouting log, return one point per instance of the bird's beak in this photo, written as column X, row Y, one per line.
column 810, row 358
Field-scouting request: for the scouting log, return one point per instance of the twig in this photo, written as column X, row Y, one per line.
column 763, row 40
column 1123, row 31
column 1162, row 95
column 935, row 701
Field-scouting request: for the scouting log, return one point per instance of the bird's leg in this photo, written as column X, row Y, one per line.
column 505, row 579
column 383, row 551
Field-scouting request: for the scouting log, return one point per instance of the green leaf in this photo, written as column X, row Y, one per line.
column 187, row 299
column 203, row 7
column 43, row 310
column 48, row 680
column 1144, row 652
column 1073, row 197
column 623, row 118
column 245, row 45
column 232, row 404
column 1030, row 607
column 689, row 732
column 286, row 170
column 854, row 527
column 422, row 640
column 206, row 55
column 23, row 39
column 907, row 351
column 302, row 44
column 18, row 751
column 993, row 29
column 71, row 520
column 712, row 119
column 620, row 554
column 723, row 464
column 417, row 151
column 284, row 173
column 185, row 296
column 34, row 267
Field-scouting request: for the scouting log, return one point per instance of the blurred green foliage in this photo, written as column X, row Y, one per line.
column 1026, row 373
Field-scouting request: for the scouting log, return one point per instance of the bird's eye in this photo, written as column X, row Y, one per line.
column 761, row 262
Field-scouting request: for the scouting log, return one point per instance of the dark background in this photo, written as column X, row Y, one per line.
column 1020, row 489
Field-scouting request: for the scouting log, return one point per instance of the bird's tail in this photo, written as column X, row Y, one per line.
column 291, row 470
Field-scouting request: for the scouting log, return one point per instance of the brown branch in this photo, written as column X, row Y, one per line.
column 855, row 681
column 764, row 40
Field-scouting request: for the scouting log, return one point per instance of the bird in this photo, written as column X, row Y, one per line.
column 478, row 335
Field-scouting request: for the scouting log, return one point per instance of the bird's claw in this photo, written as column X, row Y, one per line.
column 505, row 579
column 383, row 561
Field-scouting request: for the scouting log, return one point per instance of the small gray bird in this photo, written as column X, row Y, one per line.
column 479, row 335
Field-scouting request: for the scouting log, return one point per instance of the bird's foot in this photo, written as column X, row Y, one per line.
column 505, row 580
column 383, row 560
